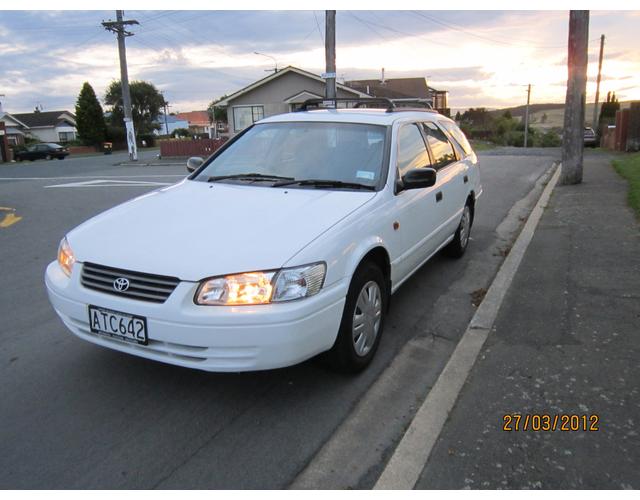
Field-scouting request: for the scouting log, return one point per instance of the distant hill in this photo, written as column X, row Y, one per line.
column 554, row 113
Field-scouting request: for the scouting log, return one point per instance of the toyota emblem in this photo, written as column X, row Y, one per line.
column 121, row 284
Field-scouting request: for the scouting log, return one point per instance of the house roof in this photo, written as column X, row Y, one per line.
column 45, row 118
column 4, row 116
column 225, row 102
column 395, row 88
column 170, row 119
column 197, row 118
column 302, row 96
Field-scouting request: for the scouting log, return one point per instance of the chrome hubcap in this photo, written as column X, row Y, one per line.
column 465, row 226
column 366, row 318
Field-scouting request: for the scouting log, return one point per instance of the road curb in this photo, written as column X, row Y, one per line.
column 142, row 164
column 410, row 456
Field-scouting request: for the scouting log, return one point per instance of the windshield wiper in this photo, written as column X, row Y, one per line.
column 325, row 183
column 253, row 176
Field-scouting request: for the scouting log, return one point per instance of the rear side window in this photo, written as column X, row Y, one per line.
column 457, row 136
column 441, row 148
column 412, row 152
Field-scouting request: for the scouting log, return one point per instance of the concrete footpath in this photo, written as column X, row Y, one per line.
column 566, row 341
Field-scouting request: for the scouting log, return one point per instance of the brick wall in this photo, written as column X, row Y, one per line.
column 186, row 148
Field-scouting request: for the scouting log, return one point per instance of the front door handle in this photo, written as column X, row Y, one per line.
column 466, row 179
column 439, row 196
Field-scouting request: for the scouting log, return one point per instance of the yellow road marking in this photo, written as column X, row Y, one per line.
column 10, row 219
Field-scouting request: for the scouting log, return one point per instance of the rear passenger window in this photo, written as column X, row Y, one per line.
column 412, row 152
column 441, row 148
column 457, row 136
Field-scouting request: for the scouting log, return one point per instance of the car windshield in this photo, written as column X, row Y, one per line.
column 303, row 151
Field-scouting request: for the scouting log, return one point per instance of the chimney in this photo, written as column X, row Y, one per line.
column 382, row 79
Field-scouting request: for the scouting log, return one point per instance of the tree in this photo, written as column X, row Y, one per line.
column 608, row 112
column 146, row 103
column 458, row 116
column 89, row 117
column 217, row 114
column 507, row 115
column 478, row 117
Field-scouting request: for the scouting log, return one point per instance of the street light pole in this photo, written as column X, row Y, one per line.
column 275, row 62
column 330, row 54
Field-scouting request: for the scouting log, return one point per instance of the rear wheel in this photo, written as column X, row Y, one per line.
column 460, row 241
column 362, row 320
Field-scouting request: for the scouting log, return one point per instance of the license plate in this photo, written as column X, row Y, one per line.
column 123, row 326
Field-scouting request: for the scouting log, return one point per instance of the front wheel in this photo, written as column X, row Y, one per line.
column 362, row 320
column 460, row 240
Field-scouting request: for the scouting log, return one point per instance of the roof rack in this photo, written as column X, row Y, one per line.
column 426, row 103
column 360, row 102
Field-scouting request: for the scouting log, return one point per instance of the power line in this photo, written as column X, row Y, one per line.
column 318, row 26
column 370, row 24
column 483, row 37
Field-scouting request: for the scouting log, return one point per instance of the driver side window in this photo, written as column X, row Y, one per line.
column 412, row 151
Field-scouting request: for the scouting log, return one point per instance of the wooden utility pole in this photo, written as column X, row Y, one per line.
column 330, row 54
column 573, row 133
column 526, row 116
column 595, row 104
column 118, row 27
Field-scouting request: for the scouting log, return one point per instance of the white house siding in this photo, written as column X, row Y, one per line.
column 272, row 95
column 51, row 134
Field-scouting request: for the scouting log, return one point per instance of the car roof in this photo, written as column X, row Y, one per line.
column 362, row 115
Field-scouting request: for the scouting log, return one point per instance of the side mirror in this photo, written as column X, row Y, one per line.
column 194, row 163
column 417, row 178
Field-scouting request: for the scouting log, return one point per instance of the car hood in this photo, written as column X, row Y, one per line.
column 193, row 229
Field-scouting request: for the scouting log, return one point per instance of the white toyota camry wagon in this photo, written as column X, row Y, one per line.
column 286, row 243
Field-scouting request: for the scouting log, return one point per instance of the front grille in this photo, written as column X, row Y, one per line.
column 142, row 286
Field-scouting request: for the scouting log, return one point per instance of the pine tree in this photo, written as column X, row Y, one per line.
column 608, row 112
column 89, row 117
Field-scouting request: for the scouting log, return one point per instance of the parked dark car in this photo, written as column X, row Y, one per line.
column 590, row 137
column 44, row 151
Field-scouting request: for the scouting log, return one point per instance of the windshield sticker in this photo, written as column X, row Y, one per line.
column 365, row 174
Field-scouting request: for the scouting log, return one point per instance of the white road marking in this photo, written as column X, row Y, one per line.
column 409, row 458
column 108, row 183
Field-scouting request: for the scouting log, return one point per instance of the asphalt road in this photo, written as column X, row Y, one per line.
column 74, row 415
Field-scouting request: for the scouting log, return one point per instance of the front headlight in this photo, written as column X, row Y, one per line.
column 66, row 259
column 262, row 287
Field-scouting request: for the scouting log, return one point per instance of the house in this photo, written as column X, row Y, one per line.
column 170, row 124
column 15, row 130
column 280, row 92
column 48, row 126
column 199, row 121
column 400, row 89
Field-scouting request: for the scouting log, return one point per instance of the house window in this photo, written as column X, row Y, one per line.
column 243, row 116
column 66, row 136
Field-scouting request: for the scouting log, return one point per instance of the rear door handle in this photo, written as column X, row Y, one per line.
column 439, row 196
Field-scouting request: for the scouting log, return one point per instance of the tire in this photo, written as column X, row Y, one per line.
column 460, row 241
column 60, row 157
column 362, row 320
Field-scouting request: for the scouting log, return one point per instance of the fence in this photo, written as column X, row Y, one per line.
column 625, row 136
column 200, row 147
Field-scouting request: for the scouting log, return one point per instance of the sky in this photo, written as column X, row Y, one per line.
column 483, row 58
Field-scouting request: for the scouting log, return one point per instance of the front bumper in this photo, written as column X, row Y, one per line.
column 211, row 338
